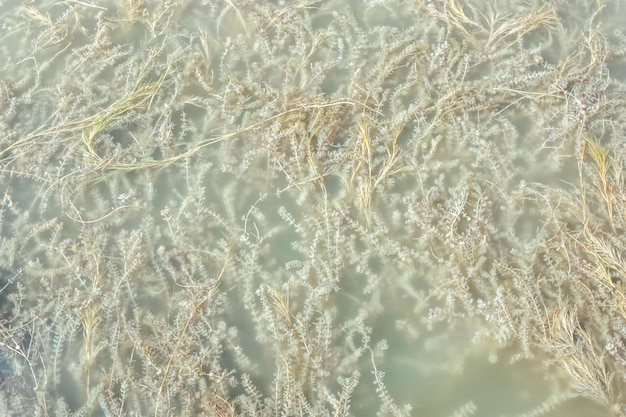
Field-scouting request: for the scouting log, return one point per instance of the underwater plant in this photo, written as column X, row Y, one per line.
column 322, row 208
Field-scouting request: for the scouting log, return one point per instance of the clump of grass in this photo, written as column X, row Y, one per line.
column 489, row 30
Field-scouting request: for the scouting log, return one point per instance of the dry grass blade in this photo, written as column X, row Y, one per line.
column 280, row 303
column 602, row 160
column 506, row 31
column 90, row 321
column 194, row 311
column 577, row 353
column 491, row 31
column 99, row 122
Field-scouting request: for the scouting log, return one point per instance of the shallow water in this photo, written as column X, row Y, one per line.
column 221, row 189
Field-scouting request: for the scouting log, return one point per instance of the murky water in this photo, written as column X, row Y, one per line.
column 279, row 189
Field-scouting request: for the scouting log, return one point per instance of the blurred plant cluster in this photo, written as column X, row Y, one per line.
column 238, row 207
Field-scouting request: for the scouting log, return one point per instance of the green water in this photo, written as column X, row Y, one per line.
column 259, row 207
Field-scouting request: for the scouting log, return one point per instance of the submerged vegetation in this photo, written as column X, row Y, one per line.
column 242, row 207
